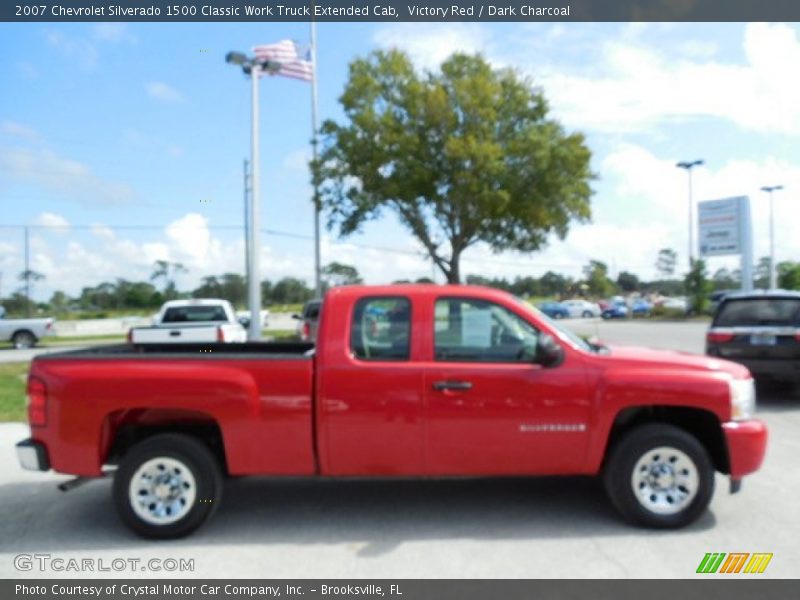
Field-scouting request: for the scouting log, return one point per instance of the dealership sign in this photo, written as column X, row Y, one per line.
column 724, row 228
column 722, row 225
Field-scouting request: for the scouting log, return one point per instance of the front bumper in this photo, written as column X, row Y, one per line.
column 32, row 455
column 747, row 445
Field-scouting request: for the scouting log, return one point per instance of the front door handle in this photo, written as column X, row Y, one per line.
column 452, row 385
column 174, row 333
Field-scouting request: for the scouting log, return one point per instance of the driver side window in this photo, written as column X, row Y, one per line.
column 480, row 331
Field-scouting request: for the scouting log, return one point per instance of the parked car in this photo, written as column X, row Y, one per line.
column 554, row 310
column 308, row 320
column 201, row 320
column 24, row 333
column 582, row 308
column 676, row 304
column 615, row 310
column 455, row 381
column 641, row 308
column 760, row 330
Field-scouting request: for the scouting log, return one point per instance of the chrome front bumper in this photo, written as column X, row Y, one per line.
column 32, row 455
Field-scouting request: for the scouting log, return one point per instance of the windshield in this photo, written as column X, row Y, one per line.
column 575, row 339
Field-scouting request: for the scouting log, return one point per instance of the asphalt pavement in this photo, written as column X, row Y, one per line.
column 505, row 528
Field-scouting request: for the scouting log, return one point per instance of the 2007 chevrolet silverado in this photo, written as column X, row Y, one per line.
column 405, row 380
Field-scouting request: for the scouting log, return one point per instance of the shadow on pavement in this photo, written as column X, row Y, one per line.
column 379, row 515
column 777, row 398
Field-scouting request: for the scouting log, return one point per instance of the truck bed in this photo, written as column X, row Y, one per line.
column 257, row 396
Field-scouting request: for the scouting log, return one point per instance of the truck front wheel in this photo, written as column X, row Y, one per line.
column 166, row 486
column 659, row 476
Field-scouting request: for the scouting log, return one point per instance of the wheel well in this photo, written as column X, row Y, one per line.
column 124, row 429
column 702, row 424
column 18, row 331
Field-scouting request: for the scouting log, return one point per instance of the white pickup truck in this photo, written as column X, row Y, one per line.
column 200, row 321
column 24, row 333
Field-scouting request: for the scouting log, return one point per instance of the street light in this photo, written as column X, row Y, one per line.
column 253, row 67
column 773, row 273
column 688, row 165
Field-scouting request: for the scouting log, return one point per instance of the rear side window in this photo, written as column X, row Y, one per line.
column 194, row 314
column 381, row 329
column 759, row 311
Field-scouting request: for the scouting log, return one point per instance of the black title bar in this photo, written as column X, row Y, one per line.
column 399, row 10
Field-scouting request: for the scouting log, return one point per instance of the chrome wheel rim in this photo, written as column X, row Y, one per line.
column 665, row 480
column 162, row 491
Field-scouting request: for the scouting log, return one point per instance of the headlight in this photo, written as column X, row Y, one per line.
column 743, row 398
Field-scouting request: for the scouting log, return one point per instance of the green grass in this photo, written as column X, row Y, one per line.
column 12, row 391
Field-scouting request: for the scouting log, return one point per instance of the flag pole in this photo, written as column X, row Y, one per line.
column 317, row 256
column 253, row 279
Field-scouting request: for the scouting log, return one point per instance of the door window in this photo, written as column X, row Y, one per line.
column 381, row 329
column 481, row 331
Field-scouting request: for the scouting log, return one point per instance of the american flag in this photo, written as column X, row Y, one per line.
column 295, row 60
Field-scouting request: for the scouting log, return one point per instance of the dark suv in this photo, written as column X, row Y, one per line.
column 760, row 330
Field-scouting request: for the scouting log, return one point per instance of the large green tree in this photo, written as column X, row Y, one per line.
column 463, row 155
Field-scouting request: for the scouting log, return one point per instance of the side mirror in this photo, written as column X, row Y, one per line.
column 296, row 317
column 548, row 352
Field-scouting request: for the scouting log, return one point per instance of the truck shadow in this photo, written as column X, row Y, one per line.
column 375, row 515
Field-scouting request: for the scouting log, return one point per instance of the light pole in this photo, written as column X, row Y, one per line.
column 773, row 273
column 253, row 67
column 688, row 165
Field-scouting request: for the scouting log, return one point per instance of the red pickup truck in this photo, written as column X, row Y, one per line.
column 405, row 380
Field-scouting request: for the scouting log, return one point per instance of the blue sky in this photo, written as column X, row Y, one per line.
column 108, row 126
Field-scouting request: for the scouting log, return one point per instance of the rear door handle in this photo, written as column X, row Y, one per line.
column 174, row 333
column 452, row 385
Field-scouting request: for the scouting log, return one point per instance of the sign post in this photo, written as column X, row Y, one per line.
column 724, row 228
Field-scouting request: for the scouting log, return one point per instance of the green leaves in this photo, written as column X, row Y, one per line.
column 463, row 155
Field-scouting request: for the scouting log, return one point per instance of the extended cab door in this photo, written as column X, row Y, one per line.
column 370, row 388
column 489, row 407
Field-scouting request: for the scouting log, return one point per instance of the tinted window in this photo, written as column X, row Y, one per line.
column 759, row 311
column 194, row 314
column 311, row 310
column 476, row 330
column 381, row 329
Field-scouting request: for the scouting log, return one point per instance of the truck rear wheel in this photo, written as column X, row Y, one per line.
column 166, row 486
column 659, row 476
column 23, row 339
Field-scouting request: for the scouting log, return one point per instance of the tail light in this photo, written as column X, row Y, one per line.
column 797, row 335
column 49, row 324
column 129, row 336
column 719, row 337
column 306, row 334
column 220, row 334
column 37, row 402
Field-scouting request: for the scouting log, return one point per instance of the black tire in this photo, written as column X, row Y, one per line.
column 203, row 466
column 587, row 314
column 635, row 445
column 23, row 339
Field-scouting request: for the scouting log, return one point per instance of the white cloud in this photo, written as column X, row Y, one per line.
column 429, row 44
column 112, row 32
column 634, row 85
column 69, row 178
column 78, row 49
column 18, row 130
column 163, row 92
column 52, row 221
